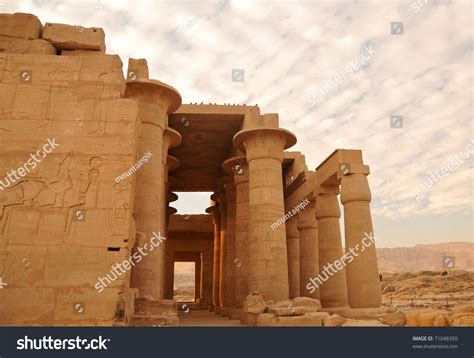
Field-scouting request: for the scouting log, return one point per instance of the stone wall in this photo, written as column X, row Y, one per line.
column 64, row 221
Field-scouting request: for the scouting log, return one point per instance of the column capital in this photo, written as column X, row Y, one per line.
column 172, row 163
column 215, row 212
column 154, row 92
column 171, row 139
column 355, row 187
column 172, row 197
column 264, row 143
column 237, row 166
column 220, row 192
column 306, row 218
column 327, row 204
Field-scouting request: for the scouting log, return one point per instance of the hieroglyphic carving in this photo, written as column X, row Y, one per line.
column 65, row 189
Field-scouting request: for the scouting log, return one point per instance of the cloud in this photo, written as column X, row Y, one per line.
column 288, row 49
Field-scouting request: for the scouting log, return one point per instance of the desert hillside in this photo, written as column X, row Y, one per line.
column 426, row 257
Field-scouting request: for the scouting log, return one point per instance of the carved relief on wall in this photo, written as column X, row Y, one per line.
column 60, row 183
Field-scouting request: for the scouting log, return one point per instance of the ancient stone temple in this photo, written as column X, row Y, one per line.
column 91, row 162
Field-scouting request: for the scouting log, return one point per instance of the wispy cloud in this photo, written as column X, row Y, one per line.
column 287, row 49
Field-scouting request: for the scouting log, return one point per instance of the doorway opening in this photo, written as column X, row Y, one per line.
column 184, row 286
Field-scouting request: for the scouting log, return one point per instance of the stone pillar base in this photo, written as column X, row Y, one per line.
column 217, row 310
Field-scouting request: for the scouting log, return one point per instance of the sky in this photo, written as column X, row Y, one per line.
column 392, row 78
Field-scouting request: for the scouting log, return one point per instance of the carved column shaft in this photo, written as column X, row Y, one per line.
column 293, row 246
column 222, row 253
column 362, row 273
column 155, row 101
column 333, row 292
column 147, row 275
column 230, row 243
column 268, row 261
column 309, row 255
column 216, row 262
column 237, row 166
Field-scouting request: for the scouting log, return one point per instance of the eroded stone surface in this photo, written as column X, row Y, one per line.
column 22, row 46
column 254, row 304
column 334, row 320
column 393, row 319
column 21, row 25
column 67, row 37
column 306, row 302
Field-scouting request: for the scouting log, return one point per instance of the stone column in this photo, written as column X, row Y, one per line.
column 198, row 280
column 230, row 243
column 207, row 256
column 155, row 101
column 171, row 139
column 268, row 265
column 239, row 168
column 170, row 211
column 293, row 247
column 362, row 273
column 309, row 255
column 333, row 292
column 220, row 194
column 214, row 210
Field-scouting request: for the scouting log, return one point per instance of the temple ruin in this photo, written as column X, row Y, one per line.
column 68, row 216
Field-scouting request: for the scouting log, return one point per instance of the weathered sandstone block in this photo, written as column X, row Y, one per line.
column 334, row 321
column 67, row 313
column 22, row 46
column 254, row 304
column 67, row 37
column 308, row 320
column 26, row 306
column 291, row 311
column 281, row 304
column 393, row 319
column 81, row 53
column 266, row 319
column 164, row 308
column 306, row 302
column 281, row 312
column 25, row 26
column 299, row 311
column 249, row 319
column 137, row 69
